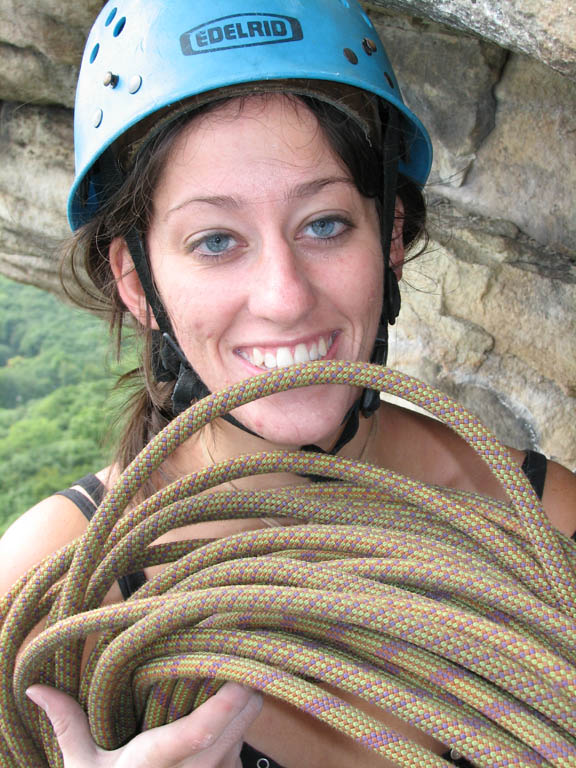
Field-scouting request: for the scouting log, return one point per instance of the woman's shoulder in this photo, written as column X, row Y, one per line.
column 559, row 499
column 427, row 450
column 421, row 447
column 43, row 529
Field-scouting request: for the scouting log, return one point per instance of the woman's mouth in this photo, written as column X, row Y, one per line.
column 268, row 358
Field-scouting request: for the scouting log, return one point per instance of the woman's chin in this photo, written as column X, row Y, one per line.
column 307, row 416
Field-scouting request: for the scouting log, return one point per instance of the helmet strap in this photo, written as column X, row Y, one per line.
column 142, row 266
column 370, row 400
column 111, row 178
column 189, row 386
column 169, row 362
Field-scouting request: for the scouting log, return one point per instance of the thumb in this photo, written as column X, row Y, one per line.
column 69, row 722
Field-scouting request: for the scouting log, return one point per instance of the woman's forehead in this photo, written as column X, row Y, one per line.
column 283, row 118
column 258, row 136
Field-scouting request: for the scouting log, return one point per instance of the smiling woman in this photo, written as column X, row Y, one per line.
column 238, row 193
column 243, row 225
column 255, row 227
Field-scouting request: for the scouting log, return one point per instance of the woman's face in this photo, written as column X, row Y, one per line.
column 265, row 254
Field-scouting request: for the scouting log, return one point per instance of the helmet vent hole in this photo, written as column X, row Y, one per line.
column 369, row 46
column 351, row 56
column 110, row 18
column 94, row 53
column 389, row 80
column 119, row 26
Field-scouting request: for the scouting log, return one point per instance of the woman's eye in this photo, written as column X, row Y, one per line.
column 215, row 244
column 327, row 228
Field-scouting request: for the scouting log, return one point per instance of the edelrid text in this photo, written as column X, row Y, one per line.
column 240, row 31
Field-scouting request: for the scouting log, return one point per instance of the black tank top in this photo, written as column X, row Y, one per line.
column 533, row 466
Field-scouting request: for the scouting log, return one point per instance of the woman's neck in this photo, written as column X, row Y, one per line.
column 221, row 441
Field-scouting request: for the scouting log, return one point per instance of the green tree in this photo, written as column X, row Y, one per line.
column 56, row 391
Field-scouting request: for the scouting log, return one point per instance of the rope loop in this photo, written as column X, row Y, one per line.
column 453, row 611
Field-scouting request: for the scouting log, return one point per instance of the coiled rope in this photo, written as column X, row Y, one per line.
column 453, row 611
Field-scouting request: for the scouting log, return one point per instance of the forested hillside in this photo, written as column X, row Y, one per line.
column 56, row 398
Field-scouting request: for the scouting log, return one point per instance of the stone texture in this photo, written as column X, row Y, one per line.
column 543, row 30
column 465, row 71
column 28, row 76
column 487, row 323
column 525, row 169
column 53, row 27
column 487, row 283
column 35, row 175
column 41, row 46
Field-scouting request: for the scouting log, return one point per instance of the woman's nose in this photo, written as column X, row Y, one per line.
column 282, row 290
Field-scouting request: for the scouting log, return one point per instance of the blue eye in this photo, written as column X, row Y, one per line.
column 323, row 227
column 213, row 245
column 327, row 228
column 217, row 243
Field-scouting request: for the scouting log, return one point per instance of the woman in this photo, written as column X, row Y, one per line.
column 247, row 224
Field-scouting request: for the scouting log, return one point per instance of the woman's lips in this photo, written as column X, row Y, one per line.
column 268, row 358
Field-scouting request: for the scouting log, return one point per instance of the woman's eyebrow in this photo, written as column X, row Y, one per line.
column 306, row 189
column 309, row 188
column 220, row 201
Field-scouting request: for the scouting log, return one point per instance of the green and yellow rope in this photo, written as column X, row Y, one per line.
column 453, row 611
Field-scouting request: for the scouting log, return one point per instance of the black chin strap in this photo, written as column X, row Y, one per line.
column 189, row 386
column 351, row 422
column 168, row 360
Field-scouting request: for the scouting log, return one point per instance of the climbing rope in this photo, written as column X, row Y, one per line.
column 451, row 610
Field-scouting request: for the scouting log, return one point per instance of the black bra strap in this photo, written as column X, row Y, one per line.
column 94, row 487
column 131, row 582
column 534, row 467
column 252, row 758
column 84, row 504
column 88, row 505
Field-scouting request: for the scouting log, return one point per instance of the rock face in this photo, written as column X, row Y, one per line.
column 36, row 171
column 485, row 320
column 41, row 46
column 489, row 310
column 525, row 170
column 543, row 30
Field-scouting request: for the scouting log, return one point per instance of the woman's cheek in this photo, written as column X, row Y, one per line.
column 374, row 290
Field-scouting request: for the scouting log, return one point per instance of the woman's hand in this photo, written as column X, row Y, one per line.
column 209, row 737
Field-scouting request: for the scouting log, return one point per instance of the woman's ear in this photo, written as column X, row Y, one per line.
column 128, row 283
column 397, row 244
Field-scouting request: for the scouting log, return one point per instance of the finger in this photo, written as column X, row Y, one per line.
column 216, row 727
column 69, row 722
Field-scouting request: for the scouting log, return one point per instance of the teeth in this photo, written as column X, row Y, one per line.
column 284, row 357
column 257, row 357
column 301, row 354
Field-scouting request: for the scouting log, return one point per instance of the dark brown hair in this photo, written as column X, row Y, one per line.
column 85, row 268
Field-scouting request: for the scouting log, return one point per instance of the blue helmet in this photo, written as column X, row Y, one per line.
column 145, row 56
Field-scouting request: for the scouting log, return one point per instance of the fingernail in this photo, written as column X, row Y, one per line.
column 241, row 692
column 36, row 696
